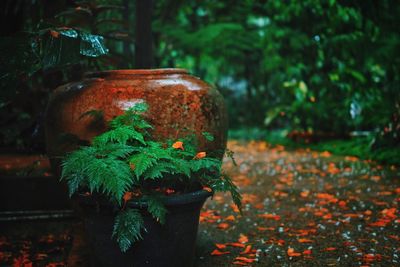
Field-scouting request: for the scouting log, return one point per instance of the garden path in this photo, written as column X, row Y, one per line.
column 303, row 208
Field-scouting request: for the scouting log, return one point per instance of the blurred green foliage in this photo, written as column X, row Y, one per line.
column 329, row 66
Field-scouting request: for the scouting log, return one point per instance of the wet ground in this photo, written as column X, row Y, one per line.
column 300, row 208
column 303, row 208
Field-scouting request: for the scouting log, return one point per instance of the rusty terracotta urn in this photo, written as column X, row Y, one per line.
column 179, row 104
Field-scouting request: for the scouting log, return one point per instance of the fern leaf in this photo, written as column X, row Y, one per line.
column 224, row 184
column 74, row 181
column 141, row 163
column 115, row 151
column 74, row 168
column 158, row 170
column 208, row 136
column 140, row 107
column 181, row 166
column 119, row 135
column 156, row 208
column 109, row 176
column 157, row 151
column 128, row 226
column 132, row 117
column 142, row 124
column 205, row 163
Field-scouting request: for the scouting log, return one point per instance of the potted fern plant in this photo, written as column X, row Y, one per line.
column 141, row 198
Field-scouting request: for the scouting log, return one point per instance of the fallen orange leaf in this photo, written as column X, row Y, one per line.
column 235, row 208
column 200, row 155
column 178, row 145
column 330, row 249
column 217, row 252
column 220, row 246
column 132, row 166
column 375, row 178
column 270, row 216
column 304, row 193
column 326, row 154
column 127, row 196
column 240, row 263
column 244, row 259
column 234, row 244
column 243, row 238
column 223, row 226
column 54, row 34
column 367, row 212
column 260, row 228
column 246, row 250
column 206, row 188
column 305, row 240
column 292, row 253
column 230, row 218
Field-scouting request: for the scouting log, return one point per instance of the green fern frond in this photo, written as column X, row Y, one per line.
column 141, row 163
column 181, row 166
column 75, row 181
column 119, row 135
column 225, row 184
column 205, row 163
column 156, row 150
column 158, row 170
column 74, row 168
column 140, row 107
column 208, row 136
column 110, row 176
column 132, row 117
column 115, row 151
column 156, row 208
column 142, row 124
column 128, row 226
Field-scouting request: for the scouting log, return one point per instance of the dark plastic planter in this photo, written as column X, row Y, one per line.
column 169, row 245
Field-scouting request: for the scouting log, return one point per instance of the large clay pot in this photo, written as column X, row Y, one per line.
column 179, row 104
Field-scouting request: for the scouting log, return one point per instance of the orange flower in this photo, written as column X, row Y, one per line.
column 200, row 155
column 178, row 145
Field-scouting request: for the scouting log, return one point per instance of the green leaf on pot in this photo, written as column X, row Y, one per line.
column 205, row 163
column 156, row 208
column 141, row 162
column 208, row 136
column 110, row 176
column 120, row 135
column 157, row 171
column 128, row 226
column 224, row 184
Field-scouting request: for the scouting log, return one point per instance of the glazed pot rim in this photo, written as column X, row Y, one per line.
column 135, row 72
column 173, row 200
